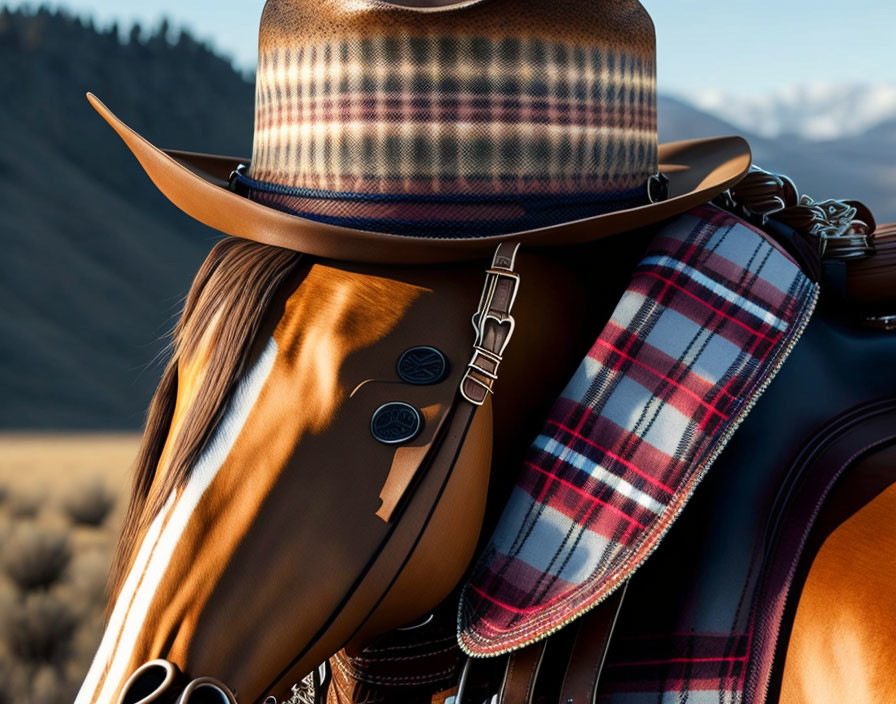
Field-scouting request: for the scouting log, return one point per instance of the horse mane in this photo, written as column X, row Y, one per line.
column 222, row 316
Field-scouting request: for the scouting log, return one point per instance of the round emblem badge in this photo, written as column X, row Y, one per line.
column 396, row 422
column 422, row 365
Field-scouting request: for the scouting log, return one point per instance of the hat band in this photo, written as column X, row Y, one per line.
column 448, row 214
column 392, row 112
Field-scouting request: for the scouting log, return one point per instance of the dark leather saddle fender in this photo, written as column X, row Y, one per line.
column 356, row 535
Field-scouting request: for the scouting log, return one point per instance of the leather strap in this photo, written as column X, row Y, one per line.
column 521, row 674
column 403, row 473
column 493, row 324
column 590, row 651
column 583, row 668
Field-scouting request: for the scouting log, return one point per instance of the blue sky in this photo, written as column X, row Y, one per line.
column 742, row 48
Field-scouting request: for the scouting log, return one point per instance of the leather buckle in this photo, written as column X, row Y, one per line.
column 481, row 358
column 487, row 309
column 493, row 324
column 500, row 321
column 469, row 378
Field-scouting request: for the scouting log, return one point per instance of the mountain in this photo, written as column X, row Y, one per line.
column 812, row 112
column 862, row 167
column 95, row 262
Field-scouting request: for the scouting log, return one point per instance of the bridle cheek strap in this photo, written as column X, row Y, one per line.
column 493, row 324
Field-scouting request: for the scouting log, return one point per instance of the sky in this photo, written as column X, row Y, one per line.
column 745, row 48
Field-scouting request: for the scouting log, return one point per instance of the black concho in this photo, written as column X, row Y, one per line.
column 422, row 365
column 396, row 422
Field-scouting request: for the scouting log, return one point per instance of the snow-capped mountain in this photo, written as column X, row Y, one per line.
column 813, row 112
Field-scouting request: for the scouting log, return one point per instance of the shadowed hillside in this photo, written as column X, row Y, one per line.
column 95, row 261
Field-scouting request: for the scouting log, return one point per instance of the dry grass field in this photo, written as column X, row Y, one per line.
column 61, row 499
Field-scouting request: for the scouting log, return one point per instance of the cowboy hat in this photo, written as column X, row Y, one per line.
column 531, row 122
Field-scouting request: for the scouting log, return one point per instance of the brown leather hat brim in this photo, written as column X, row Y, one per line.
column 698, row 170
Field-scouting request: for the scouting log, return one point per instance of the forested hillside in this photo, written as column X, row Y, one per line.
column 94, row 260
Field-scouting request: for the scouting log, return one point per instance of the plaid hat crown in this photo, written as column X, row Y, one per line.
column 487, row 116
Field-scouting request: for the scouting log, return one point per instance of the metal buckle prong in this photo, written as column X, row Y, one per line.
column 488, row 354
column 485, row 372
column 504, row 274
column 481, row 383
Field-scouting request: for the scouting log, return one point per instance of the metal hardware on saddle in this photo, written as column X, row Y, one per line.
column 311, row 690
column 840, row 229
column 825, row 231
column 843, row 228
column 493, row 323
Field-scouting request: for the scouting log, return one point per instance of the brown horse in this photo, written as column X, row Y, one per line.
column 259, row 488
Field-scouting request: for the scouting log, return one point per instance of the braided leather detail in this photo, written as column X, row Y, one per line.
column 842, row 229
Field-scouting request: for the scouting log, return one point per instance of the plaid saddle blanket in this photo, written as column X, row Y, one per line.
column 711, row 313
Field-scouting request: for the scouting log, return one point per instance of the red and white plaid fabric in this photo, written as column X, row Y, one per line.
column 711, row 313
